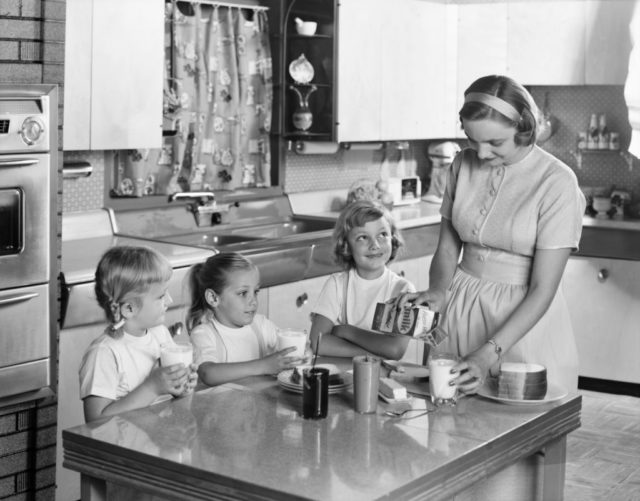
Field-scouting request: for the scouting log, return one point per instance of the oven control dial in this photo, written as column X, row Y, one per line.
column 32, row 130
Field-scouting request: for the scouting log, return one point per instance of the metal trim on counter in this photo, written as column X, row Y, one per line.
column 75, row 170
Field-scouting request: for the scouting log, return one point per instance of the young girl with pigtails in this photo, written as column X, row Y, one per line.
column 120, row 370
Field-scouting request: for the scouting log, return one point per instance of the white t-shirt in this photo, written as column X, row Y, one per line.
column 239, row 344
column 113, row 367
column 362, row 296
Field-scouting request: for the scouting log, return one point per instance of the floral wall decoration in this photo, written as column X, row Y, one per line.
column 217, row 109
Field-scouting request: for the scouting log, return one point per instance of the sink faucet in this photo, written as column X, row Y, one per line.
column 203, row 202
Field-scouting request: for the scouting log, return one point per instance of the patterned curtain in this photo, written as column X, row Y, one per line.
column 218, row 96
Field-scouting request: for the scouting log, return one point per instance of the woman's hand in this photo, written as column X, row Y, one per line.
column 432, row 298
column 473, row 371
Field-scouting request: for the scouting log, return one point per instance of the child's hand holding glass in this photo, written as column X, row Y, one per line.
column 172, row 379
column 281, row 360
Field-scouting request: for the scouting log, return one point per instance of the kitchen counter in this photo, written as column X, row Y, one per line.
column 606, row 238
column 405, row 216
column 247, row 440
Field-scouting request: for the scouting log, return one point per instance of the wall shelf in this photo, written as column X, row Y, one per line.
column 579, row 154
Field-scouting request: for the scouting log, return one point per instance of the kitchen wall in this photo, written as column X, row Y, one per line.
column 31, row 52
column 572, row 105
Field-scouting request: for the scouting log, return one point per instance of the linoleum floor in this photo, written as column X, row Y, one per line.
column 603, row 455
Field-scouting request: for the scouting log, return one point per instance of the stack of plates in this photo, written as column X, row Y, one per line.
column 490, row 390
column 284, row 380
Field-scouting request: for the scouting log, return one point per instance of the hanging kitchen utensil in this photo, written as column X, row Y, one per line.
column 549, row 122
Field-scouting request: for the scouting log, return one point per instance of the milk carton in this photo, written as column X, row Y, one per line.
column 419, row 322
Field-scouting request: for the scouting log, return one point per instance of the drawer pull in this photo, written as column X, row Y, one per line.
column 603, row 274
column 17, row 299
column 302, row 299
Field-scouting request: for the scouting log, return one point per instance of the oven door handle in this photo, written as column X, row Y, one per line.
column 18, row 162
column 18, row 298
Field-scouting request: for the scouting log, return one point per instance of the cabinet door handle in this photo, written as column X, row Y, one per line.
column 603, row 274
column 302, row 299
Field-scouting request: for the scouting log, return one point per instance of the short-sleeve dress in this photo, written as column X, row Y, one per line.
column 503, row 214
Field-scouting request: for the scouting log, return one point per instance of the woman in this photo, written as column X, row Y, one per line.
column 515, row 213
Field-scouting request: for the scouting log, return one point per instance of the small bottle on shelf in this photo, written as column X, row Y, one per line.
column 614, row 141
column 603, row 133
column 592, row 133
column 582, row 140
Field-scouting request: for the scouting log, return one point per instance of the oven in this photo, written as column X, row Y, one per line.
column 28, row 239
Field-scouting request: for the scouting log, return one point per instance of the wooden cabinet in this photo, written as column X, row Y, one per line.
column 608, row 41
column 380, row 69
column 290, row 304
column 544, row 42
column 603, row 297
column 391, row 63
column 114, row 60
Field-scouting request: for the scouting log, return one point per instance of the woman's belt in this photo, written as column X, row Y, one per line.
column 496, row 265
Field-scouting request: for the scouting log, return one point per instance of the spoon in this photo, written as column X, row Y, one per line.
column 400, row 414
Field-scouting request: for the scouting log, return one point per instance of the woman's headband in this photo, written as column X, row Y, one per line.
column 494, row 102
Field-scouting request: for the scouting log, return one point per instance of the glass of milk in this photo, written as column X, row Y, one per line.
column 293, row 337
column 172, row 353
column 440, row 365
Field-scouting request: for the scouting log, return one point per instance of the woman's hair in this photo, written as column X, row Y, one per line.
column 125, row 274
column 512, row 93
column 358, row 214
column 212, row 274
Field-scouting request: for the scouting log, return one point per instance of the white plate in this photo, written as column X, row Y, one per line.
column 284, row 380
column 490, row 391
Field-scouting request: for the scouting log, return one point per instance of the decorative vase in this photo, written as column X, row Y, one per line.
column 301, row 70
column 302, row 117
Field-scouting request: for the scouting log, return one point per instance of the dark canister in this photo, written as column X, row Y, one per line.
column 315, row 393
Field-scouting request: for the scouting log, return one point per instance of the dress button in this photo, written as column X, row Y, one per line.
column 492, row 192
column 475, row 232
column 481, row 258
column 483, row 211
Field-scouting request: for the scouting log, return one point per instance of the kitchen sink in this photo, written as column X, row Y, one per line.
column 209, row 239
column 267, row 233
column 285, row 228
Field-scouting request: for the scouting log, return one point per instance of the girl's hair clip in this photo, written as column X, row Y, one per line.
column 117, row 325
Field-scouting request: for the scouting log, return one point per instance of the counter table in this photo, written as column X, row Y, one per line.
column 247, row 440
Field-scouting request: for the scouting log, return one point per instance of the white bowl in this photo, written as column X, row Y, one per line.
column 306, row 28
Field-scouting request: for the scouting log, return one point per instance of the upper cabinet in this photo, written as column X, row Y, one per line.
column 392, row 71
column 114, row 70
column 545, row 42
column 379, row 70
column 608, row 41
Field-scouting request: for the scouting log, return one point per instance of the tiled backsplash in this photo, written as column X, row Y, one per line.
column 84, row 193
column 572, row 105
